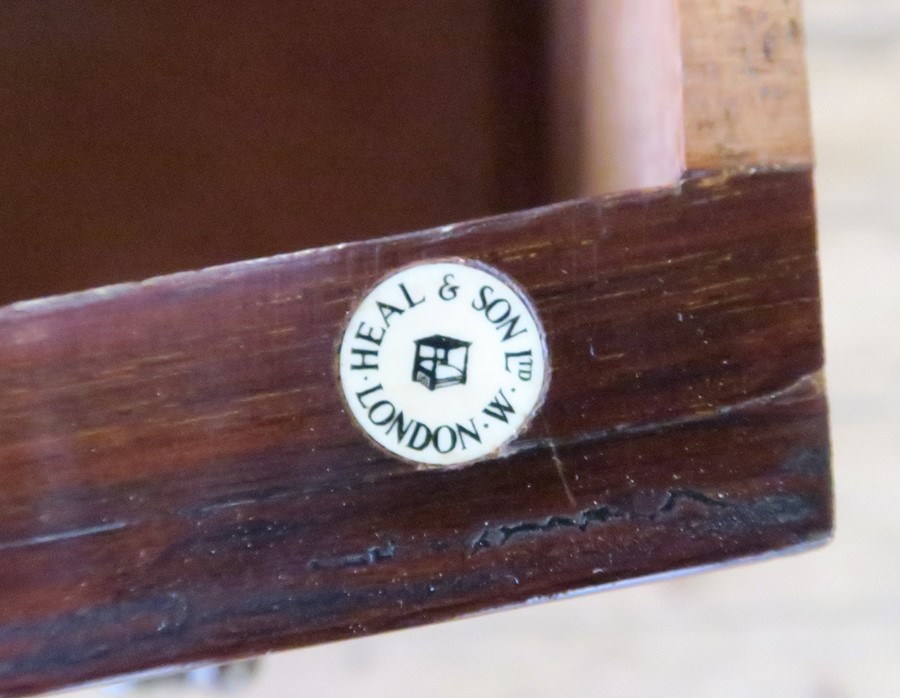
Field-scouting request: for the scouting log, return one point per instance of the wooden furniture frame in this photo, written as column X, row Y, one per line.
column 180, row 484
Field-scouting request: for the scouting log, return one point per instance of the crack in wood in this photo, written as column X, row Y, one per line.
column 502, row 534
column 692, row 495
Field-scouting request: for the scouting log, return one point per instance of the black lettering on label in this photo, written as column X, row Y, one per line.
column 510, row 326
column 471, row 433
column 361, row 395
column 448, row 290
column 364, row 356
column 387, row 311
column 412, row 304
column 420, row 437
column 482, row 297
column 368, row 334
column 444, row 439
column 498, row 310
column 499, row 313
column 385, row 412
column 499, row 407
column 442, row 363
column 522, row 361
column 401, row 426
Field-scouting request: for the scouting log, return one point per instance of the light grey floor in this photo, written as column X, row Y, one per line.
column 826, row 623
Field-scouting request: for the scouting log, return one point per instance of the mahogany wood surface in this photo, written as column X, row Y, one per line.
column 180, row 482
column 145, row 138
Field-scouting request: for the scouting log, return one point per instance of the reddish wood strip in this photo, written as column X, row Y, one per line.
column 180, row 483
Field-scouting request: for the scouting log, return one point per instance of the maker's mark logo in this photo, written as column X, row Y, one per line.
column 440, row 325
column 441, row 361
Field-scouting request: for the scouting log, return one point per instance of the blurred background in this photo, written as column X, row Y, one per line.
column 825, row 623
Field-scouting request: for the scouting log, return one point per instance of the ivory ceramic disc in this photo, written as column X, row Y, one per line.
column 444, row 362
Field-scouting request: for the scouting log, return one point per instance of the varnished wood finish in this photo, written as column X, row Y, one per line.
column 179, row 482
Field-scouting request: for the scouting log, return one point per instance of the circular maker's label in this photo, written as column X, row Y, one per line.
column 443, row 362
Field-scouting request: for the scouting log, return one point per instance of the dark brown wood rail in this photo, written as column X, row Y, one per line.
column 179, row 482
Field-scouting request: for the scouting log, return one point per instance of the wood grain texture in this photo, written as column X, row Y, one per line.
column 179, row 482
column 746, row 101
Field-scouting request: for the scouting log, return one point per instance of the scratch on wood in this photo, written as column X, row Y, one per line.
column 500, row 535
column 703, row 304
column 562, row 474
column 63, row 535
column 768, row 306
column 599, row 514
